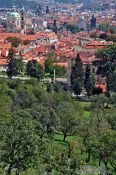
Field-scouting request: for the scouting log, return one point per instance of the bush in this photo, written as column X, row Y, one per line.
column 97, row 90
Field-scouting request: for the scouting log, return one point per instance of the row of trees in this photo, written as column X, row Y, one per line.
column 15, row 42
column 106, row 27
column 81, row 78
column 30, row 118
column 106, row 66
column 16, row 67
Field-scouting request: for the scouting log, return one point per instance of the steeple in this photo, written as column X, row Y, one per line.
column 13, row 7
column 22, row 14
column 23, row 8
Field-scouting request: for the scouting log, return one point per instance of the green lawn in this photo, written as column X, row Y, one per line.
column 58, row 139
column 86, row 106
column 74, row 138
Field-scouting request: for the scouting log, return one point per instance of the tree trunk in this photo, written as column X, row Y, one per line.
column 89, row 156
column 107, row 104
column 64, row 137
column 69, row 152
column 106, row 164
column 99, row 161
column 9, row 169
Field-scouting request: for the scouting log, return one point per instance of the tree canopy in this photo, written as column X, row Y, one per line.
column 34, row 69
column 15, row 65
column 77, row 75
column 51, row 133
column 106, row 60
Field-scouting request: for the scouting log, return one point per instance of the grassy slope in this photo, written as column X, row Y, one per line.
column 58, row 138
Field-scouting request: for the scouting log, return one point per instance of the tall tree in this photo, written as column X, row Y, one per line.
column 46, row 118
column 88, row 83
column 49, row 63
column 11, row 68
column 69, row 115
column 20, row 143
column 34, row 69
column 15, row 65
column 106, row 60
column 77, row 75
column 20, row 66
column 111, row 82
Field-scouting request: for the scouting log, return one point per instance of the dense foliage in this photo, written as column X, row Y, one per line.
column 77, row 75
column 15, row 66
column 34, row 69
column 89, row 81
column 18, row 67
column 50, row 133
column 14, row 41
column 106, row 60
column 106, row 63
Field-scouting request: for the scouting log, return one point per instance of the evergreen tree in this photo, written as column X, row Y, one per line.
column 34, row 69
column 111, row 82
column 15, row 42
column 15, row 66
column 88, row 83
column 77, row 75
column 106, row 60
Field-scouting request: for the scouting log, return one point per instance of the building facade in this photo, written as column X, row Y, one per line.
column 16, row 21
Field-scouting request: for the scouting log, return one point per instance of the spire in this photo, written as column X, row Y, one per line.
column 13, row 7
column 23, row 8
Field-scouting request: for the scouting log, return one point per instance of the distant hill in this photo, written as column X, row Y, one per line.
column 9, row 3
column 66, row 1
column 18, row 3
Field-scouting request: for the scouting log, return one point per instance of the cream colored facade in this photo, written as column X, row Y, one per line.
column 16, row 21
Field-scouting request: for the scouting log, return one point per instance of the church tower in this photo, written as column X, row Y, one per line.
column 23, row 21
column 13, row 21
column 82, row 23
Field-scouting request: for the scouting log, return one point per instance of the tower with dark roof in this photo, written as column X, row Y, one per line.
column 93, row 22
column 23, row 21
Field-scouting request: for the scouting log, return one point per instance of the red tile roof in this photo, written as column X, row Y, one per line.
column 103, row 87
column 3, row 62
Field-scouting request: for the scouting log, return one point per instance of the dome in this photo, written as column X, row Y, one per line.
column 14, row 14
column 82, row 18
